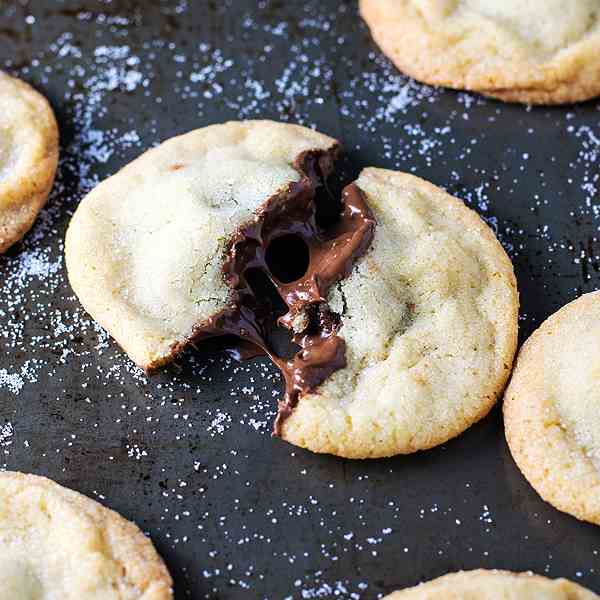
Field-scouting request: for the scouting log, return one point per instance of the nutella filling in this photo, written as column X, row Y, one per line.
column 280, row 267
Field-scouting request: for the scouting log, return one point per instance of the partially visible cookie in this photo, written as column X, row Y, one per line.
column 429, row 320
column 494, row 585
column 56, row 543
column 552, row 409
column 28, row 157
column 538, row 52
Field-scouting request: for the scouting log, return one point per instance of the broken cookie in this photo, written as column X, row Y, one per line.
column 400, row 302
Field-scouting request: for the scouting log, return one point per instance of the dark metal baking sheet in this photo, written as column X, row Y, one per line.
column 188, row 454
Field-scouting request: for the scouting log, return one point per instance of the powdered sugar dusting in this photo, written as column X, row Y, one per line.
column 188, row 453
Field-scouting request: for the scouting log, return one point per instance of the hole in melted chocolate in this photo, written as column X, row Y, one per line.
column 268, row 303
column 328, row 201
column 288, row 258
column 281, row 344
column 269, row 306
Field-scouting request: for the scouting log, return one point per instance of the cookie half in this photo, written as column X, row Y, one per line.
column 494, row 585
column 400, row 303
column 429, row 320
column 537, row 52
column 56, row 543
column 28, row 157
column 552, row 409
column 145, row 249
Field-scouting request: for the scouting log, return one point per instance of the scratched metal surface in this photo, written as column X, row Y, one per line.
column 187, row 454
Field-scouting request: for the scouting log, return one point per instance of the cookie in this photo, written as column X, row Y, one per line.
column 28, row 157
column 56, row 543
column 536, row 52
column 494, row 585
column 552, row 408
column 145, row 249
column 429, row 320
column 400, row 302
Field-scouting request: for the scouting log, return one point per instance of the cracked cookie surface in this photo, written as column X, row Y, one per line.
column 552, row 409
column 494, row 585
column 429, row 319
column 539, row 52
column 56, row 543
column 28, row 157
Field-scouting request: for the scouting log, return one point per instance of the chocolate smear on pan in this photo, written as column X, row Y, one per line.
column 280, row 267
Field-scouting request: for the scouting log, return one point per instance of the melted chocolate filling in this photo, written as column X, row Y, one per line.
column 280, row 267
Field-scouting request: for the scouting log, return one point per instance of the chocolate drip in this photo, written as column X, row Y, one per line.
column 334, row 235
